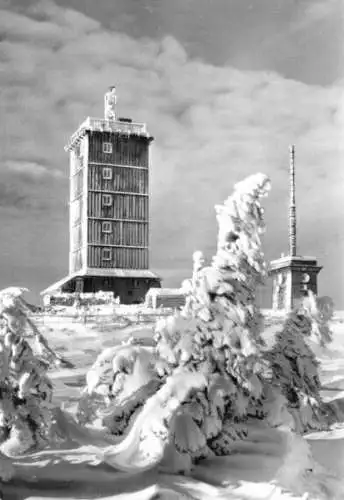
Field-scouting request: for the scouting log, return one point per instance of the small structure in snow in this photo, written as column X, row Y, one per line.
column 173, row 298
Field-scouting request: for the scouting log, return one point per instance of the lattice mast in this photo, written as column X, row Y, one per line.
column 292, row 203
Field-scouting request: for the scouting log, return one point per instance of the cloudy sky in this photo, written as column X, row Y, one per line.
column 224, row 85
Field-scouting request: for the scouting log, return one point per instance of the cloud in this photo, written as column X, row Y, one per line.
column 11, row 197
column 32, row 169
column 319, row 11
column 212, row 126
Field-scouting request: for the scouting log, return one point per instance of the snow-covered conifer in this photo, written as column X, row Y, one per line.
column 26, row 390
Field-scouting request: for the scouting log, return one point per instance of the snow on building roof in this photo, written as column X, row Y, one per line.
column 104, row 125
column 108, row 273
column 165, row 291
column 121, row 273
column 57, row 285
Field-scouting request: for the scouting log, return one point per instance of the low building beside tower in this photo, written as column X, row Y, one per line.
column 293, row 277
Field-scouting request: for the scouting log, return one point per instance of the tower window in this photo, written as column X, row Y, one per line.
column 107, row 147
column 106, row 254
column 106, row 227
column 107, row 173
column 106, row 200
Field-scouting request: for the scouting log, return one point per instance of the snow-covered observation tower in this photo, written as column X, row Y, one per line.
column 109, row 208
column 292, row 275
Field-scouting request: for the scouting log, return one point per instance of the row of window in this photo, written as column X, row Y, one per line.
column 107, row 173
column 118, row 179
column 107, row 147
column 106, row 254
column 106, row 226
column 107, row 200
column 125, row 152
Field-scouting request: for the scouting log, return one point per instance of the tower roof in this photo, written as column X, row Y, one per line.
column 110, row 123
column 294, row 262
column 103, row 125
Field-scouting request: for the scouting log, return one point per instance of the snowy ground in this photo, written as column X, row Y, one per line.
column 251, row 473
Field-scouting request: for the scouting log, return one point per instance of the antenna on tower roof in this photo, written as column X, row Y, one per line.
column 110, row 101
column 292, row 203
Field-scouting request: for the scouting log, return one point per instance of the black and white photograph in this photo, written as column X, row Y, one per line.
column 171, row 249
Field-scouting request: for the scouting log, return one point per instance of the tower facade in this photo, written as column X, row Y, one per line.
column 109, row 207
column 293, row 275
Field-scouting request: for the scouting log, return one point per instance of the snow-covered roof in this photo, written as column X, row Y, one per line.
column 57, row 285
column 109, row 273
column 103, row 125
column 165, row 292
column 120, row 273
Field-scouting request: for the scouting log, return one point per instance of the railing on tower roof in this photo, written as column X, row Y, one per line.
column 103, row 125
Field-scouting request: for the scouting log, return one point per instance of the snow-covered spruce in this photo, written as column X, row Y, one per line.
column 26, row 390
column 118, row 384
column 295, row 369
column 219, row 331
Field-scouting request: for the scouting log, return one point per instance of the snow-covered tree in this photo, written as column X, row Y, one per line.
column 26, row 390
column 219, row 331
column 295, row 369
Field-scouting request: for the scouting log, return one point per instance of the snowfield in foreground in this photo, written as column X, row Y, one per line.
column 252, row 472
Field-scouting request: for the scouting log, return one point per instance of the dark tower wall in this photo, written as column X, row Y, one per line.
column 131, row 150
column 122, row 176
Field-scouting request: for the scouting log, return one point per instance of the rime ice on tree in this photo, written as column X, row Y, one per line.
column 26, row 390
